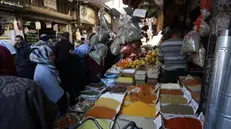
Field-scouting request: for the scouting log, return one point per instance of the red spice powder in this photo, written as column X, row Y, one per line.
column 101, row 112
column 171, row 92
column 182, row 123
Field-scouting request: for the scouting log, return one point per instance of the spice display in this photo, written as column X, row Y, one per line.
column 65, row 122
column 117, row 89
column 196, row 96
column 91, row 125
column 142, row 93
column 170, row 86
column 172, row 99
column 125, row 80
column 96, row 85
column 171, row 92
column 140, row 109
column 82, row 107
column 182, row 123
column 152, row 81
column 101, row 112
column 107, row 102
column 177, row 109
column 191, row 82
column 89, row 92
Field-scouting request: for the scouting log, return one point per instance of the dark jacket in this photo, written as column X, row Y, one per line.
column 24, row 105
column 62, row 50
column 25, row 68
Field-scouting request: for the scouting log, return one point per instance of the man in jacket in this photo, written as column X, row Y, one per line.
column 25, row 68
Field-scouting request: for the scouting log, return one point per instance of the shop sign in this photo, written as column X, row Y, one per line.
column 108, row 17
column 87, row 15
column 50, row 4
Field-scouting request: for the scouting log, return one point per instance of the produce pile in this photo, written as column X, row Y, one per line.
column 135, row 60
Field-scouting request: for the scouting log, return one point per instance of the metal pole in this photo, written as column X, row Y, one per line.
column 219, row 76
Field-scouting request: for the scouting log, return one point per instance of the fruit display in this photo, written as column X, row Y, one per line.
column 135, row 60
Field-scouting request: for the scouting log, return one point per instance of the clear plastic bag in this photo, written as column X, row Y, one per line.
column 99, row 53
column 204, row 29
column 94, row 40
column 129, row 33
column 115, row 47
column 199, row 58
column 191, row 42
column 103, row 36
column 103, row 21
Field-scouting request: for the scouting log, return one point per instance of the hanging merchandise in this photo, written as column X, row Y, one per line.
column 199, row 58
column 94, row 40
column 191, row 42
column 115, row 47
column 206, row 4
column 152, row 8
column 99, row 53
column 103, row 35
column 103, row 21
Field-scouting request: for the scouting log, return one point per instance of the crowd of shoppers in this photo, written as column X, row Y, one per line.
column 45, row 79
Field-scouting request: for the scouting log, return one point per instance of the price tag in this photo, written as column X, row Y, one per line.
column 187, row 94
column 157, row 107
column 194, row 104
column 158, row 122
column 140, row 13
column 201, row 117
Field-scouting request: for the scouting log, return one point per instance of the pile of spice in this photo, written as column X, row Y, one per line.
column 171, row 92
column 117, row 89
column 108, row 103
column 65, row 122
column 172, row 99
column 143, row 93
column 170, row 86
column 101, row 112
column 126, row 80
column 177, row 109
column 139, row 109
column 182, row 123
column 91, row 125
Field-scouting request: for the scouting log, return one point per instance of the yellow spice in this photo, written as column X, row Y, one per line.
column 107, row 102
column 139, row 109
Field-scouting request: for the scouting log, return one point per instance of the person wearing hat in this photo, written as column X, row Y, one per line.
column 44, row 40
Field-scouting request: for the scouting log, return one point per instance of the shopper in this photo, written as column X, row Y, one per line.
column 174, row 63
column 44, row 40
column 83, row 49
column 46, row 75
column 25, row 68
column 66, row 65
column 23, row 104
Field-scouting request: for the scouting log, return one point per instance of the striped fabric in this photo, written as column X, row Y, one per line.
column 170, row 54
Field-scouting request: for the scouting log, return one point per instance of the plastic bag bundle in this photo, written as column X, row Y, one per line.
column 129, row 33
column 94, row 40
column 103, row 21
column 152, row 8
column 191, row 42
column 204, row 29
column 115, row 47
column 199, row 58
column 103, row 35
column 99, row 53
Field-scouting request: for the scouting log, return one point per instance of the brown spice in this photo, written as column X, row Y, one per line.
column 171, row 92
column 144, row 95
column 101, row 112
column 65, row 122
column 192, row 82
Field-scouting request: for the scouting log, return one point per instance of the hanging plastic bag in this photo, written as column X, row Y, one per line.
column 152, row 8
column 115, row 47
column 103, row 36
column 191, row 42
column 94, row 40
column 204, row 29
column 199, row 58
column 99, row 53
column 103, row 21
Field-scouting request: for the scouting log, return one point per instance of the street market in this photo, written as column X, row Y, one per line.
column 115, row 64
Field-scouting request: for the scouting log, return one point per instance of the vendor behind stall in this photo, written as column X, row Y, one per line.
column 174, row 63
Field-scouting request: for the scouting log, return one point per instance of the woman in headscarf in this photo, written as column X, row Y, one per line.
column 23, row 104
column 46, row 75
